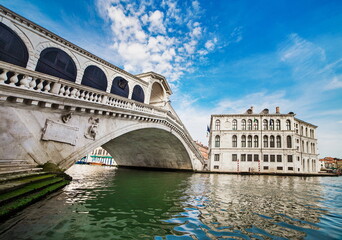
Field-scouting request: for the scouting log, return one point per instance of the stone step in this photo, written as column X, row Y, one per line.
column 16, row 166
column 12, row 162
column 21, row 182
column 7, row 209
column 28, row 189
column 19, row 175
column 26, row 170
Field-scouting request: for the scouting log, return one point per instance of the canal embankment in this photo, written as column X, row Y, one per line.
column 275, row 174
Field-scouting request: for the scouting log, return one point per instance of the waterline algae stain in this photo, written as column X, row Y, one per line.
column 110, row 203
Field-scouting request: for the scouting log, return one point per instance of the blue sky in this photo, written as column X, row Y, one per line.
column 219, row 56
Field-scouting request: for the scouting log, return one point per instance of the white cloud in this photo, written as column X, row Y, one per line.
column 156, row 22
column 156, row 36
column 210, row 44
column 334, row 84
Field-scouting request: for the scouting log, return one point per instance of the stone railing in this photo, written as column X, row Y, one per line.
column 32, row 81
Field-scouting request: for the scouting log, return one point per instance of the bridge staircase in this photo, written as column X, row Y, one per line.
column 9, row 167
column 21, row 190
column 22, row 184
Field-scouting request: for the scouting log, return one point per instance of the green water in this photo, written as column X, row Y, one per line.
column 110, row 203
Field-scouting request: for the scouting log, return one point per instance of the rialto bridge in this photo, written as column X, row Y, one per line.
column 59, row 101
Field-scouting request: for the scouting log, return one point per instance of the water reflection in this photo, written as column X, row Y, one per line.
column 109, row 203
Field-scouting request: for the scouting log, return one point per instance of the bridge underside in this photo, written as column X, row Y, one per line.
column 150, row 147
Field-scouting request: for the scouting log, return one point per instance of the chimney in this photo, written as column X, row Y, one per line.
column 277, row 110
column 252, row 108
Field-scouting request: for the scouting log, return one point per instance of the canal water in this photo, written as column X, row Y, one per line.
column 110, row 203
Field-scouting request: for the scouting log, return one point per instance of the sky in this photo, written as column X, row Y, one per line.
column 220, row 57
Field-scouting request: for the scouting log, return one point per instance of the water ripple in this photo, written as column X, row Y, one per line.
column 107, row 203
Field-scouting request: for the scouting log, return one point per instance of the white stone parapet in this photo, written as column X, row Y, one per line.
column 18, row 85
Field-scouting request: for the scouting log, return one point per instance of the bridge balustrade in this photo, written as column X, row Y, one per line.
column 40, row 83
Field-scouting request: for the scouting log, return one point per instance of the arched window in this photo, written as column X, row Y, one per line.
column 12, row 48
column 272, row 141
column 234, row 141
column 301, row 130
column 120, row 87
column 249, row 141
column 217, row 124
column 256, row 124
column 243, row 141
column 138, row 94
column 307, row 147
column 157, row 94
column 265, row 141
column 249, row 125
column 217, row 141
column 265, row 124
column 289, row 142
column 313, row 148
column 306, row 131
column 278, row 142
column 94, row 77
column 55, row 62
column 243, row 124
column 271, row 124
column 234, row 124
column 288, row 125
column 278, row 125
column 256, row 141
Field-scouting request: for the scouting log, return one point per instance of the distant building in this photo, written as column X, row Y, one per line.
column 262, row 142
column 331, row 163
column 204, row 151
column 99, row 155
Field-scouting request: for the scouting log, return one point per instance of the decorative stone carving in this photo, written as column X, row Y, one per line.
column 66, row 117
column 92, row 130
column 59, row 132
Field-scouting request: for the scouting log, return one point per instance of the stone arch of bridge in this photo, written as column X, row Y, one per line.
column 157, row 95
column 149, row 145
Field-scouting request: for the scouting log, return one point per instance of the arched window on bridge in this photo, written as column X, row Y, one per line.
column 157, row 94
column 55, row 62
column 12, row 48
column 94, row 77
column 138, row 94
column 120, row 87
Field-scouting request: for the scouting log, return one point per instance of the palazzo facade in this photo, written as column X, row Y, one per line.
column 262, row 142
